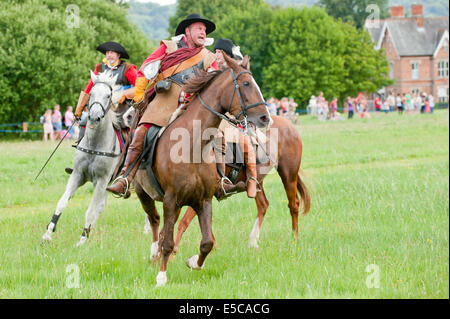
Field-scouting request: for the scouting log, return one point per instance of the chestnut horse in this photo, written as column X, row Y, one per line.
column 192, row 182
column 286, row 155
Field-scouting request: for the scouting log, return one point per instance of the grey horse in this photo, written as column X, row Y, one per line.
column 97, row 154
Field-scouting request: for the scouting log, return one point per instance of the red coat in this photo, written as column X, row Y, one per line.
column 131, row 75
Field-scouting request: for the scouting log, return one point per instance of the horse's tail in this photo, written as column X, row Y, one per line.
column 304, row 194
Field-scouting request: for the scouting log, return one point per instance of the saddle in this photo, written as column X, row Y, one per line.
column 148, row 156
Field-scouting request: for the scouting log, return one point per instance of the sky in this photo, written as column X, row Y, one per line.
column 161, row 2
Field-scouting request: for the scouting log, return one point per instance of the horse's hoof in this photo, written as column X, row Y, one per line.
column 253, row 244
column 161, row 279
column 82, row 241
column 47, row 237
column 193, row 263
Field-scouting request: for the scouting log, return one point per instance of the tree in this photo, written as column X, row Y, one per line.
column 213, row 10
column 47, row 48
column 249, row 29
column 355, row 11
column 311, row 52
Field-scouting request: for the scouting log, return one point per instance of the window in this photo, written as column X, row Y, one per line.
column 443, row 94
column 416, row 91
column 391, row 70
column 415, row 70
column 443, row 69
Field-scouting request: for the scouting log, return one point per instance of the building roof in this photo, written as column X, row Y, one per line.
column 408, row 38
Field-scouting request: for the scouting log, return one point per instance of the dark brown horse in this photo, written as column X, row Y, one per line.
column 192, row 181
column 285, row 152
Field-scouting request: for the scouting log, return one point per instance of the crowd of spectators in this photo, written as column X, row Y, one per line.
column 359, row 105
column 52, row 122
column 285, row 107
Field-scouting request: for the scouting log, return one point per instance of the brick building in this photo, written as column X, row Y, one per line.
column 417, row 50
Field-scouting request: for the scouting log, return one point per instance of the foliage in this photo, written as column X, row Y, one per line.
column 310, row 52
column 45, row 56
column 249, row 29
column 355, row 11
column 213, row 10
column 151, row 18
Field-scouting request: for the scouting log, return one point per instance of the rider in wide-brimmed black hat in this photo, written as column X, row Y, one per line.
column 164, row 72
column 113, row 61
column 113, row 46
column 228, row 47
column 127, row 72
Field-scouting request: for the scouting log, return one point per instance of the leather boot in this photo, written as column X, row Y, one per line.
column 225, row 188
column 122, row 184
column 250, row 162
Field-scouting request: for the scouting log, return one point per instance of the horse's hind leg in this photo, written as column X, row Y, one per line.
column 290, row 186
column 98, row 202
column 148, row 204
column 74, row 182
column 262, row 204
column 204, row 213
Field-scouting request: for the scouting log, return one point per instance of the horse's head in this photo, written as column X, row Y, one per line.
column 241, row 95
column 101, row 95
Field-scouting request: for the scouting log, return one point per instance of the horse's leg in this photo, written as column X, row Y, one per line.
column 183, row 225
column 262, row 204
column 75, row 181
column 289, row 179
column 204, row 213
column 98, row 202
column 171, row 212
column 148, row 204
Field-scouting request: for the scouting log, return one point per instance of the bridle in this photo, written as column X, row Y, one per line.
column 105, row 110
column 244, row 106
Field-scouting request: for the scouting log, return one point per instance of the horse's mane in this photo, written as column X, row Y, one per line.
column 201, row 81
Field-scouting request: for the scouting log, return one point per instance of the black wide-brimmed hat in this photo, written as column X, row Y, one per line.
column 225, row 45
column 113, row 46
column 195, row 17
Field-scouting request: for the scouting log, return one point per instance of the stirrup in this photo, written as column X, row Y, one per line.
column 258, row 186
column 226, row 179
column 126, row 189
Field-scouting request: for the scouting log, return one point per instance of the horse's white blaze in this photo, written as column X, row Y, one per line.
column 259, row 90
column 193, row 263
column 254, row 235
column 154, row 250
column 161, row 279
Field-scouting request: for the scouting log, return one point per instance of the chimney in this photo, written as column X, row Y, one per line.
column 417, row 13
column 397, row 12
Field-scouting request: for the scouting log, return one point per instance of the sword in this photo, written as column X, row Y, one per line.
column 54, row 151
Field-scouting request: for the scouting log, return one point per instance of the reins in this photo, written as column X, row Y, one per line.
column 244, row 107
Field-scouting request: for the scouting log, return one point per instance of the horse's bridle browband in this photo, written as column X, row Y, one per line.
column 244, row 107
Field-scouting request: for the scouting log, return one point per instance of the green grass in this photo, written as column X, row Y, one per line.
column 379, row 191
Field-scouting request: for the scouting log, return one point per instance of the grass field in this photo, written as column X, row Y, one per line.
column 380, row 210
